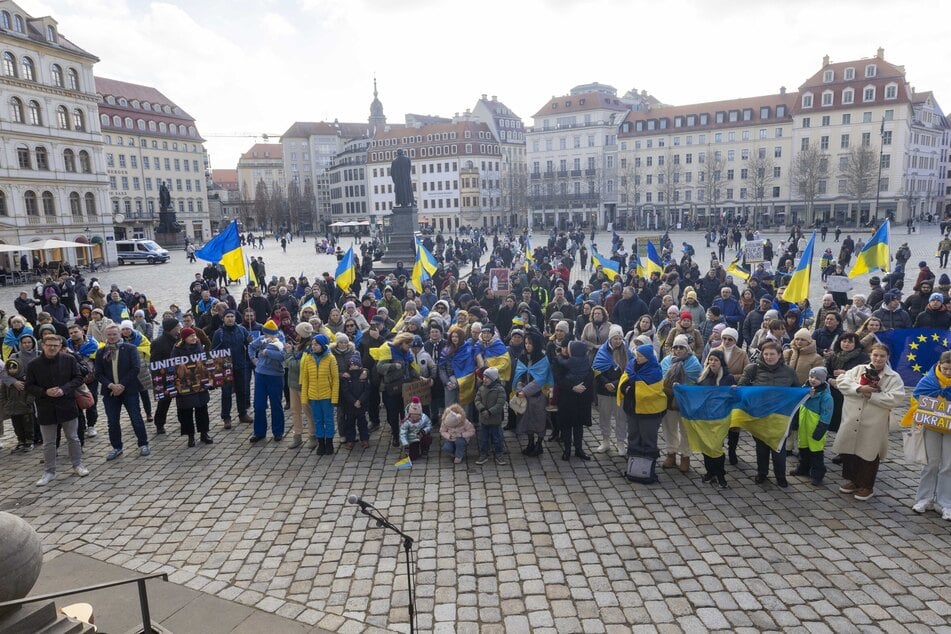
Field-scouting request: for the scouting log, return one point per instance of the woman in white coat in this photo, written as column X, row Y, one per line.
column 862, row 441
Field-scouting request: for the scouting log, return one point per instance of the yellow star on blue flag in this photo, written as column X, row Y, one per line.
column 914, row 351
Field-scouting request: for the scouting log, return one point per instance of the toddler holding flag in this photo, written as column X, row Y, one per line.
column 815, row 416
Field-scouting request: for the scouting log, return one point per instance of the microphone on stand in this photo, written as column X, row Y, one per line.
column 358, row 501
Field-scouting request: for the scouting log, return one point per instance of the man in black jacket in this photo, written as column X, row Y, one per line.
column 117, row 371
column 52, row 379
column 162, row 350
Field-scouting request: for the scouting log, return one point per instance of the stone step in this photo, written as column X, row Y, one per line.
column 31, row 617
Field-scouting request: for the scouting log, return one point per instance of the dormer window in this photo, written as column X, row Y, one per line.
column 123, row 102
column 50, row 34
column 868, row 94
column 18, row 24
column 849, row 73
column 780, row 111
column 870, row 70
column 891, row 91
column 581, row 101
column 828, row 76
column 807, row 100
column 827, row 98
column 111, row 100
column 848, row 96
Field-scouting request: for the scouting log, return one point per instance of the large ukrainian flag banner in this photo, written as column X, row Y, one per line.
column 225, row 248
column 708, row 413
column 497, row 356
column 798, row 287
column 654, row 263
column 346, row 271
column 463, row 368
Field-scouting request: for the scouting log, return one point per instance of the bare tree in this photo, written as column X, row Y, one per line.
column 810, row 168
column 308, row 205
column 710, row 179
column 515, row 191
column 277, row 207
column 630, row 187
column 859, row 171
column 262, row 203
column 759, row 181
column 668, row 183
column 293, row 205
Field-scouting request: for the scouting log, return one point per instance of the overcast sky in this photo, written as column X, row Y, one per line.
column 247, row 67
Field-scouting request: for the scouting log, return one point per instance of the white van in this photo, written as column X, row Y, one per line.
column 133, row 251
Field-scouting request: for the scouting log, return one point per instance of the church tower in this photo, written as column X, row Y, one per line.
column 377, row 119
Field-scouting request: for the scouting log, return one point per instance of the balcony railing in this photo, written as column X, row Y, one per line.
column 576, row 172
column 590, row 172
column 41, row 220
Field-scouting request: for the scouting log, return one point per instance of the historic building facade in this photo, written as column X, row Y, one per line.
column 53, row 181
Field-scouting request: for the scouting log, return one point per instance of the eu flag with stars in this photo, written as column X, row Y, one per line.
column 914, row 350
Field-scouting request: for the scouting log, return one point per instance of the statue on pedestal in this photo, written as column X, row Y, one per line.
column 167, row 220
column 400, row 172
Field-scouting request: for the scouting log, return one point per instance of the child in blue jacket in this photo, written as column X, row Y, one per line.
column 814, row 418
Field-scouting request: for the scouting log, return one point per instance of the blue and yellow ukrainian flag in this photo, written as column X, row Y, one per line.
column 798, row 287
column 874, row 255
column 424, row 267
column 529, row 258
column 251, row 276
column 497, row 356
column 346, row 271
column 225, row 249
column 708, row 413
column 385, row 353
column 611, row 268
column 736, row 270
column 654, row 262
column 463, row 368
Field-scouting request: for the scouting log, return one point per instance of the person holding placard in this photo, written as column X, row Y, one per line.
column 934, row 486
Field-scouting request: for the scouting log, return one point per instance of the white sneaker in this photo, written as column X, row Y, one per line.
column 946, row 515
column 81, row 471
column 619, row 451
column 601, row 448
column 921, row 507
column 91, row 432
column 46, row 479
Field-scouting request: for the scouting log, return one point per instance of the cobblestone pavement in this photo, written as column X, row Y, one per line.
column 538, row 545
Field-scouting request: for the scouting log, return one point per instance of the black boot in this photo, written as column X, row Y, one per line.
column 579, row 453
column 191, row 440
column 528, row 451
column 566, row 454
column 321, row 447
column 328, row 446
column 206, row 439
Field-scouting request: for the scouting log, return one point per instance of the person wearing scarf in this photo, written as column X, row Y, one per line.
column 293, row 354
column 609, row 364
column 847, row 353
column 11, row 340
column 532, row 380
column 640, row 394
column 734, row 359
column 395, row 364
column 320, row 390
column 716, row 373
column 934, row 485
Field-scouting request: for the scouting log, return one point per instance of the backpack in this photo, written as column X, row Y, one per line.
column 691, row 251
column 86, row 367
column 641, row 469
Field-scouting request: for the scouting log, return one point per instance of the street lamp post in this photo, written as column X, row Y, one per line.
column 878, row 184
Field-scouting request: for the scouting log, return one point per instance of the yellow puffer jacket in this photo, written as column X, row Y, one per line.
column 319, row 381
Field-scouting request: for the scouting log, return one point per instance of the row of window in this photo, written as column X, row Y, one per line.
column 32, row 203
column 116, row 181
column 33, row 115
column 827, row 97
column 141, row 125
column 444, row 136
column 848, row 74
column 107, row 139
column 148, row 163
column 126, row 206
column 144, row 105
column 439, row 150
column 26, row 69
column 25, row 159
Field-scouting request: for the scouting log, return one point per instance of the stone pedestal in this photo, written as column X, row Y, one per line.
column 402, row 247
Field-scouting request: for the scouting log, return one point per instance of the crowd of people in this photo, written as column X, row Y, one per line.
column 564, row 339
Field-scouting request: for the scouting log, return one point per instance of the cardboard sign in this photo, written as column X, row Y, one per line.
column 179, row 376
column 838, row 284
column 499, row 280
column 753, row 252
column 933, row 413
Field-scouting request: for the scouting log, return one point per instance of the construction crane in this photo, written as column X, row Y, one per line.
column 242, row 135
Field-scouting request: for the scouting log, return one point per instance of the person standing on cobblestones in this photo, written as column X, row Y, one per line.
column 52, row 379
column 934, row 487
column 193, row 406
column 234, row 337
column 267, row 357
column 117, row 371
column 161, row 350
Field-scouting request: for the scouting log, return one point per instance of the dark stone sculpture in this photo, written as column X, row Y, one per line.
column 400, row 172
column 167, row 221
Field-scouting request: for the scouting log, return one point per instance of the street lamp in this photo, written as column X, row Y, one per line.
column 878, row 185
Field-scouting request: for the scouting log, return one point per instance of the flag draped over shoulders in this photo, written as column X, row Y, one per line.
column 604, row 359
column 496, row 355
column 708, row 413
column 463, row 368
column 540, row 372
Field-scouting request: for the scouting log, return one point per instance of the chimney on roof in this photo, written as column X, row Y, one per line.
column 880, row 53
column 483, row 96
column 825, row 61
column 782, row 90
column 495, row 98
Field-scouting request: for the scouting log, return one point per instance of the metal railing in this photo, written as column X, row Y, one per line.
column 139, row 581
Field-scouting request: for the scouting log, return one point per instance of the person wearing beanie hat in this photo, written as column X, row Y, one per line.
column 490, row 404
column 935, row 315
column 234, row 337
column 815, row 415
column 691, row 334
column 416, row 430
column 891, row 313
column 679, row 366
column 456, row 431
column 320, row 389
column 609, row 363
column 144, row 346
column 300, row 411
column 267, row 358
column 802, row 355
column 354, row 398
column 575, row 381
column 342, row 349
